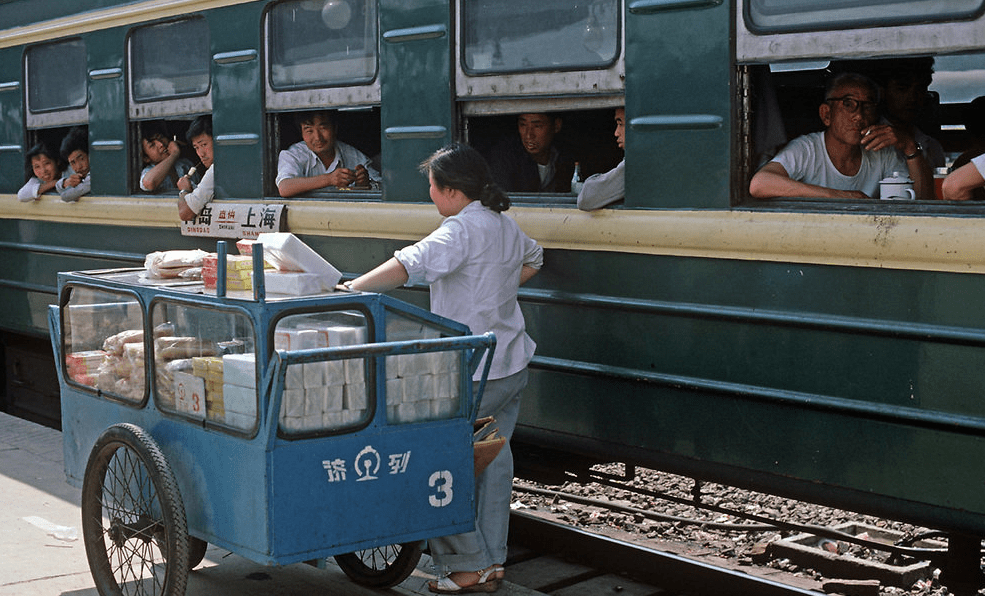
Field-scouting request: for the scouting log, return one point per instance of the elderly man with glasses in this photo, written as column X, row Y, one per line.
column 849, row 158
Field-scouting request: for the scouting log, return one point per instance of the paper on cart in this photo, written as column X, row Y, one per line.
column 286, row 252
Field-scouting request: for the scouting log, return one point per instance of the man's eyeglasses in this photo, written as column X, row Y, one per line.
column 854, row 105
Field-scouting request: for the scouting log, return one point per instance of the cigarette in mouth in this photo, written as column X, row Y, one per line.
column 867, row 133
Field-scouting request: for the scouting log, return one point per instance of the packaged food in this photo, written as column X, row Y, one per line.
column 171, row 263
column 286, row 252
column 170, row 348
column 114, row 343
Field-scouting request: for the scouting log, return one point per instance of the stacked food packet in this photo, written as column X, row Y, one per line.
column 169, row 264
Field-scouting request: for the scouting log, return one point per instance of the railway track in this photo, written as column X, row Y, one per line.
column 560, row 560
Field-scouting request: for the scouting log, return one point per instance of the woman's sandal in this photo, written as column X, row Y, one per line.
column 486, row 583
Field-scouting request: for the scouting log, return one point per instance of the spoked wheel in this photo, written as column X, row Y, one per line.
column 381, row 567
column 133, row 519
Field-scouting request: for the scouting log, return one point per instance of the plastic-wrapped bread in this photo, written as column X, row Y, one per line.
column 170, row 348
column 114, row 343
column 170, row 264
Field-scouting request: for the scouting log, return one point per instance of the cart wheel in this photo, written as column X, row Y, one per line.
column 196, row 551
column 133, row 519
column 381, row 567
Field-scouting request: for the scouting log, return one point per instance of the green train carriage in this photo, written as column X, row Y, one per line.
column 822, row 350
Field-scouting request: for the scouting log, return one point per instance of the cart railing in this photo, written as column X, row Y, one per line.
column 479, row 345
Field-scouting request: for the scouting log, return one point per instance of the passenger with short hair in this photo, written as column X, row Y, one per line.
column 193, row 198
column 961, row 184
column 905, row 83
column 849, row 158
column 75, row 151
column 163, row 164
column 531, row 161
column 320, row 160
column 609, row 187
column 474, row 262
column 43, row 171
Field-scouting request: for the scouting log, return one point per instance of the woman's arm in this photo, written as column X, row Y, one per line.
column 387, row 276
column 526, row 273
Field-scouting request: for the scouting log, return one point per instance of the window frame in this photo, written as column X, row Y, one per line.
column 812, row 22
column 188, row 104
column 486, row 94
column 353, row 95
column 65, row 301
column 54, row 117
column 172, row 301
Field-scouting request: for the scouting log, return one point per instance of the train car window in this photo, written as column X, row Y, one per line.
column 521, row 36
column 328, row 396
column 161, row 155
column 170, row 60
column 313, row 43
column 804, row 15
column 103, row 343
column 360, row 129
column 929, row 96
column 204, row 364
column 57, row 84
column 584, row 137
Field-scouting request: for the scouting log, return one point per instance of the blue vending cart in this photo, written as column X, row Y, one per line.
column 283, row 429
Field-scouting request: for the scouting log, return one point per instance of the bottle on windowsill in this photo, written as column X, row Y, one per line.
column 576, row 182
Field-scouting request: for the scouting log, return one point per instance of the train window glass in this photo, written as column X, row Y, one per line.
column 56, row 76
column 170, row 60
column 103, row 339
column 359, row 129
column 775, row 16
column 420, row 387
column 315, row 43
column 521, row 36
column 204, row 364
column 325, row 396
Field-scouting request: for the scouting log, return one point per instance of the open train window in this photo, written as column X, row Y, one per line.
column 930, row 96
column 57, row 84
column 584, row 136
column 169, row 67
column 358, row 129
column 155, row 164
column 321, row 53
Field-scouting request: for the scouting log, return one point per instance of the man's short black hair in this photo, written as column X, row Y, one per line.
column 77, row 139
column 199, row 126
column 302, row 118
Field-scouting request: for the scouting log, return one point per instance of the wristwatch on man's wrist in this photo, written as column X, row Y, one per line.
column 916, row 153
